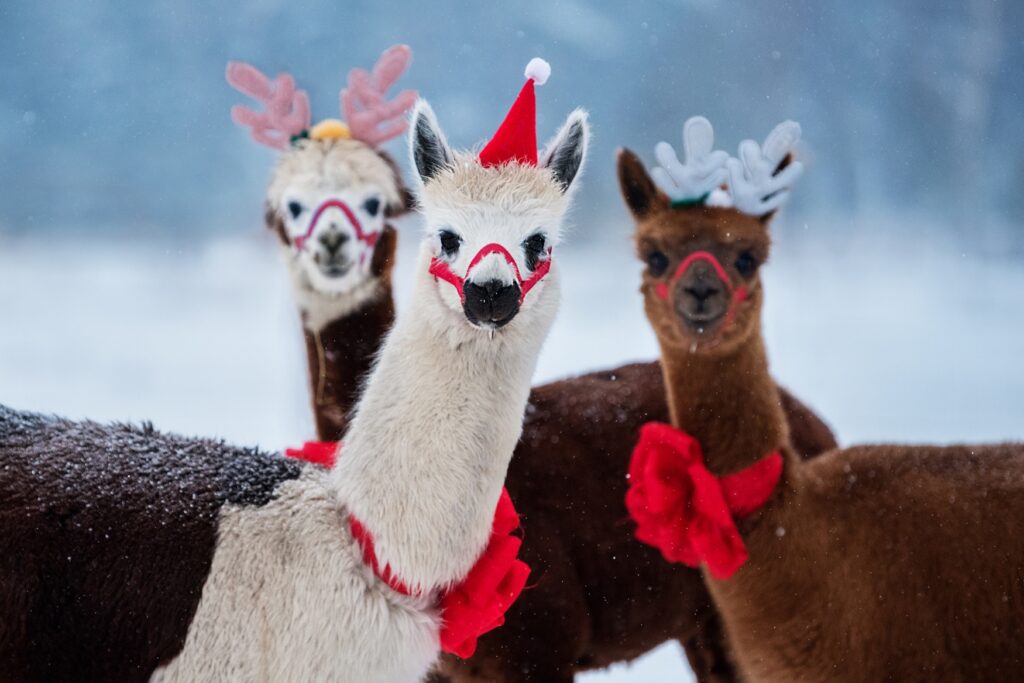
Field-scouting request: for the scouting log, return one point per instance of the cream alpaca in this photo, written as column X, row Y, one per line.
column 329, row 200
column 425, row 457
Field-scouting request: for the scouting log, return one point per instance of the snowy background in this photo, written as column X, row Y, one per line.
column 136, row 281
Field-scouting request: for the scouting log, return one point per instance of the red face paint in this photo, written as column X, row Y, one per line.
column 370, row 238
column 737, row 294
column 440, row 270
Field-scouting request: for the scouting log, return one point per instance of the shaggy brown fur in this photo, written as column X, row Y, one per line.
column 110, row 525
column 870, row 563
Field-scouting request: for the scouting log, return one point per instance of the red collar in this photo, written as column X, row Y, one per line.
column 684, row 510
column 479, row 602
column 365, row 541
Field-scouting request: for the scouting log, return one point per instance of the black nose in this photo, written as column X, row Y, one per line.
column 701, row 296
column 332, row 241
column 701, row 291
column 492, row 302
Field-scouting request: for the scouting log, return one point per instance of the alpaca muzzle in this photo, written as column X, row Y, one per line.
column 702, row 292
column 441, row 271
column 369, row 238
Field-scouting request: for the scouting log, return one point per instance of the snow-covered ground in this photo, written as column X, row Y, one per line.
column 894, row 339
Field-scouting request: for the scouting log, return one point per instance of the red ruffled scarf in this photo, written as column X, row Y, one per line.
column 479, row 602
column 685, row 511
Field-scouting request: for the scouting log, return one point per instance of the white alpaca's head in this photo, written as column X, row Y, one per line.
column 493, row 230
column 332, row 187
column 327, row 203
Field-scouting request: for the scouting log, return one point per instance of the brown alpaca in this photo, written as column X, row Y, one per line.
column 866, row 564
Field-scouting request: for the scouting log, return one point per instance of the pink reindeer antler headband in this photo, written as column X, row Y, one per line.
column 286, row 112
column 370, row 117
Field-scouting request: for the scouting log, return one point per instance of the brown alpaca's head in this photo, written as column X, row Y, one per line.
column 703, row 249
column 332, row 188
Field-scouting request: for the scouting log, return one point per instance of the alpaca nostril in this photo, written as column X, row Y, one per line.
column 700, row 299
column 332, row 241
column 492, row 302
column 494, row 288
column 701, row 292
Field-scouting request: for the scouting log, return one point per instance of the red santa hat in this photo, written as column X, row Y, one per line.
column 516, row 138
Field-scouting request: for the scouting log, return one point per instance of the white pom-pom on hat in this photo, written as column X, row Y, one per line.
column 538, row 70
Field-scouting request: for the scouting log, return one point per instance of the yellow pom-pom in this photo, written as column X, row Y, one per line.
column 330, row 129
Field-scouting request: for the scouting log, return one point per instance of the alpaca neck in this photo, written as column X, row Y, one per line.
column 339, row 355
column 728, row 402
column 426, row 454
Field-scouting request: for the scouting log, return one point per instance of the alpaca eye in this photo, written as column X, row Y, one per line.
column 534, row 248
column 746, row 264
column 449, row 242
column 295, row 209
column 372, row 206
column 657, row 263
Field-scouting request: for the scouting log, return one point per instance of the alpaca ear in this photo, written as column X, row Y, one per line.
column 565, row 153
column 641, row 194
column 406, row 201
column 275, row 224
column 384, row 252
column 427, row 144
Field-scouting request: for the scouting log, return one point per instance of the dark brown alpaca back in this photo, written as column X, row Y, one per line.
column 598, row 596
column 107, row 535
column 908, row 562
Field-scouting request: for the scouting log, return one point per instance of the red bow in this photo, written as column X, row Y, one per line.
column 478, row 603
column 322, row 453
column 686, row 512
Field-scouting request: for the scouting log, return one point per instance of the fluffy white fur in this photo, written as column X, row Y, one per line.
column 427, row 451
column 310, row 173
column 290, row 599
column 332, row 164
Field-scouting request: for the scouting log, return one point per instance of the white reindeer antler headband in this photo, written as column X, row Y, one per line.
column 703, row 170
column 753, row 186
column 371, row 118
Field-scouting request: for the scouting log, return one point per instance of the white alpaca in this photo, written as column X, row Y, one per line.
column 289, row 596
